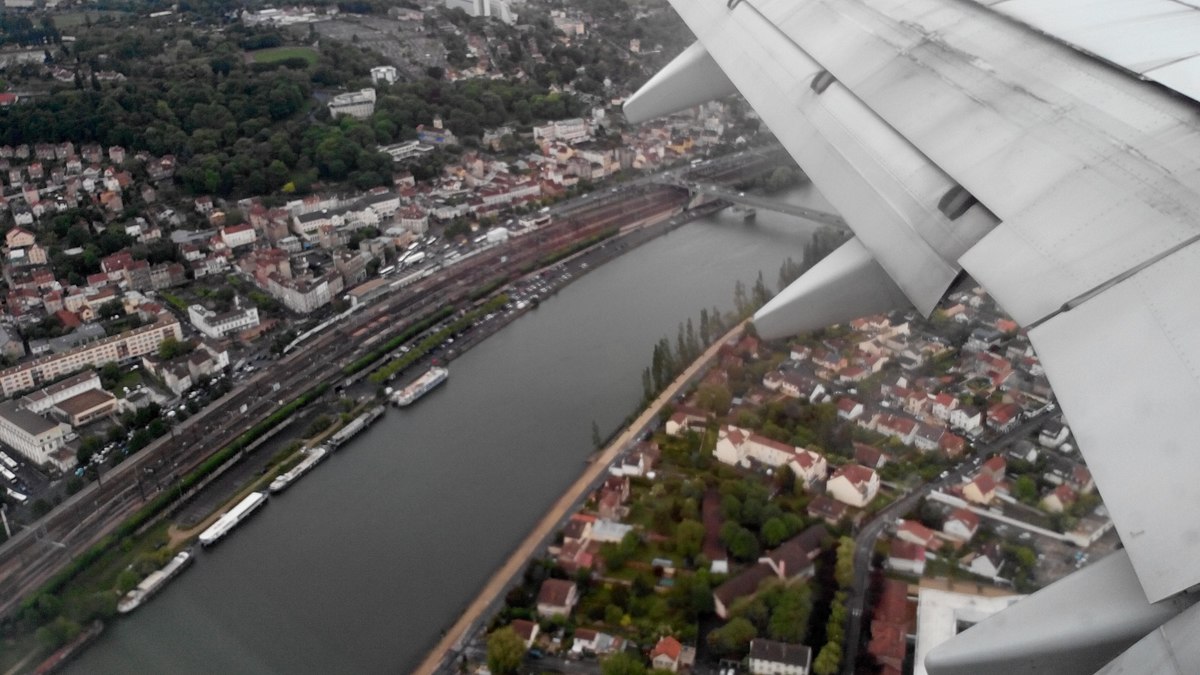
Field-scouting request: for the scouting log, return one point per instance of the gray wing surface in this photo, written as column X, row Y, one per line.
column 1042, row 147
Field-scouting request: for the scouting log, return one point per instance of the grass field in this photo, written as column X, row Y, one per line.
column 280, row 53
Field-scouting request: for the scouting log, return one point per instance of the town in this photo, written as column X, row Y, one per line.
column 727, row 539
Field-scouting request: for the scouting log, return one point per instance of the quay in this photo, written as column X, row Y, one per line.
column 440, row 658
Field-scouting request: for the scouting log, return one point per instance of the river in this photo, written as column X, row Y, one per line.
column 360, row 565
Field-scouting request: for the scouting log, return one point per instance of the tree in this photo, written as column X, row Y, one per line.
column 844, row 568
column 689, row 537
column 740, row 302
column 789, row 617
column 734, row 637
column 1025, row 490
column 774, row 531
column 89, row 446
column 505, row 651
column 622, row 663
column 829, row 660
column 715, row 398
column 170, row 348
column 597, row 439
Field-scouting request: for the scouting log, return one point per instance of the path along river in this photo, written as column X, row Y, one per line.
column 360, row 565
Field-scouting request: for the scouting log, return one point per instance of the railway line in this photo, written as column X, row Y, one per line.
column 35, row 554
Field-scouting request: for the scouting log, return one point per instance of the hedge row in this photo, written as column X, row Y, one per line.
column 428, row 344
column 391, row 345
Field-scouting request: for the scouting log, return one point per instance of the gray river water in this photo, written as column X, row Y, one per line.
column 360, row 565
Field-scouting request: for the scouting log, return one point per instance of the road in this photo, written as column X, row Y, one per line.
column 864, row 540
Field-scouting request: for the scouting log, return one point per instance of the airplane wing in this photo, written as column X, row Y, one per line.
column 1048, row 148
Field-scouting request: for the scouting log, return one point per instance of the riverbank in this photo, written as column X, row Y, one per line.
column 493, row 591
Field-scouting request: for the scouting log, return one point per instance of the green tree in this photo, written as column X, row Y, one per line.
column 774, row 531
column 789, row 616
column 1025, row 490
column 828, row 660
column 597, row 440
column 844, row 567
column 622, row 663
column 732, row 638
column 689, row 537
column 170, row 348
column 715, row 398
column 505, row 649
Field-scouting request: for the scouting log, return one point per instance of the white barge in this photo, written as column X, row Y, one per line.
column 154, row 582
column 232, row 518
column 313, row 457
column 421, row 386
column 356, row 425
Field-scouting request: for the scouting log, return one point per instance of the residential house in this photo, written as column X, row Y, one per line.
column 827, row 509
column 557, row 597
column 986, row 563
column 952, row 445
column 849, row 409
column 869, row 456
column 981, row 490
column 670, row 654
column 907, row 557
column 902, row 429
column 1080, row 479
column 526, row 630
column 808, row 466
column 928, row 437
column 1059, row 499
column 686, row 418
column 913, row 531
column 891, row 623
column 1053, row 434
column 995, row 466
column 961, row 525
column 768, row 657
column 853, row 484
column 1004, row 417
column 966, row 419
column 588, row 642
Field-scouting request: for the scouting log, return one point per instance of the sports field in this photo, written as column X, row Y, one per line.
column 280, row 53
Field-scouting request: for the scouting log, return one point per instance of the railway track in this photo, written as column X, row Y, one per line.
column 35, row 554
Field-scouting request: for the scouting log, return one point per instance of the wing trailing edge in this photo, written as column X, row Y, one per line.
column 847, row 284
column 689, row 79
column 1075, row 625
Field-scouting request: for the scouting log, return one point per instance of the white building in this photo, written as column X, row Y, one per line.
column 119, row 348
column 37, row 438
column 217, row 325
column 234, row 236
column 358, row 104
column 943, row 614
column 500, row 9
column 768, row 657
column 568, row 131
column 44, row 399
column 384, row 74
column 305, row 295
column 853, row 484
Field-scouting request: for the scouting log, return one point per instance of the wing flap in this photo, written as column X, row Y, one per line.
column 1125, row 366
column 878, row 181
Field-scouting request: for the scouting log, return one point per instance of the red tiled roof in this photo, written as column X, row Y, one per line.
column 906, row 550
column 668, row 646
column 856, row 474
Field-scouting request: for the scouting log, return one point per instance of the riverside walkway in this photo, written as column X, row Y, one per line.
column 458, row 634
